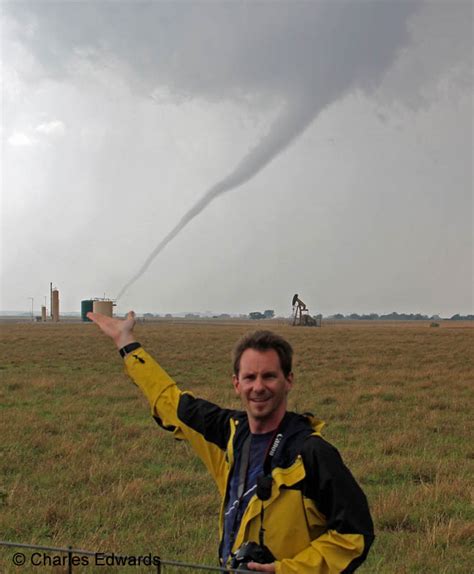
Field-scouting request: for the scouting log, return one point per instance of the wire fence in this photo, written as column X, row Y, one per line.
column 72, row 558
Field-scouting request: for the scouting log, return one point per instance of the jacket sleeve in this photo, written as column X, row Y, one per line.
column 343, row 547
column 203, row 424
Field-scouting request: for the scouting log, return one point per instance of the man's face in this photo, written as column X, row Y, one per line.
column 263, row 388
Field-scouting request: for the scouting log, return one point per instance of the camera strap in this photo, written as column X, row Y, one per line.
column 244, row 464
column 272, row 448
column 263, row 481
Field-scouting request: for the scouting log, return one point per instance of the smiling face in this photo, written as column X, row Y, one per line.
column 263, row 389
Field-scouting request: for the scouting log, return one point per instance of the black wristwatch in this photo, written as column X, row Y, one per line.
column 124, row 351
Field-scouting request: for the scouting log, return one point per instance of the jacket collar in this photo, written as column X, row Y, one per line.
column 293, row 428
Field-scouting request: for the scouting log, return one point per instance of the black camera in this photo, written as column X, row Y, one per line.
column 251, row 552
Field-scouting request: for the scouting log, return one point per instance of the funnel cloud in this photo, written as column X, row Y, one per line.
column 281, row 134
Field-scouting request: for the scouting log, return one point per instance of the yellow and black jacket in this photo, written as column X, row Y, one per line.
column 316, row 520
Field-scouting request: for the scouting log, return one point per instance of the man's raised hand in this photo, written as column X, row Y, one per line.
column 119, row 330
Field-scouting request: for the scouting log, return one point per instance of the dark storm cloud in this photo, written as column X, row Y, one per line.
column 222, row 50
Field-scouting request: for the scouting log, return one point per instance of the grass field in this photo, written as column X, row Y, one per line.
column 83, row 463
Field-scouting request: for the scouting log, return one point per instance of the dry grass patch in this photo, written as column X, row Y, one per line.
column 83, row 463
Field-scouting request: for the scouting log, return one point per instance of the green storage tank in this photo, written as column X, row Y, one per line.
column 86, row 306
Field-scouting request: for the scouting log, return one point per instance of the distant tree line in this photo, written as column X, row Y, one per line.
column 400, row 317
column 267, row 314
column 270, row 314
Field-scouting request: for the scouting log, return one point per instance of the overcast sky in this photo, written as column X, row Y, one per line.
column 264, row 149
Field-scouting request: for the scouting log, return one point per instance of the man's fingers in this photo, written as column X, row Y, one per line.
column 256, row 567
column 98, row 317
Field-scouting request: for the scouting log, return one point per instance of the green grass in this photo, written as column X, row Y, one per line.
column 83, row 463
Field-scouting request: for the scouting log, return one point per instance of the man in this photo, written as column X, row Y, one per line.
column 289, row 505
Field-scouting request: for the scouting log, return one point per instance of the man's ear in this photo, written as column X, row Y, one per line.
column 289, row 380
column 235, row 382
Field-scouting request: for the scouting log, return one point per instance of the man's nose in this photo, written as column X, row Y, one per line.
column 258, row 385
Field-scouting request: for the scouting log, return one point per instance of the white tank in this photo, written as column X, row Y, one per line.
column 104, row 307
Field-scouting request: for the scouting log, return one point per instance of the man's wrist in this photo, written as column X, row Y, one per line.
column 129, row 348
column 124, row 339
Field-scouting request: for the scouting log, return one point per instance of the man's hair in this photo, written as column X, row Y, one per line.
column 264, row 341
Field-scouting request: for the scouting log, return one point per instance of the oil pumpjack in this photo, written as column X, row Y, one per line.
column 301, row 316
